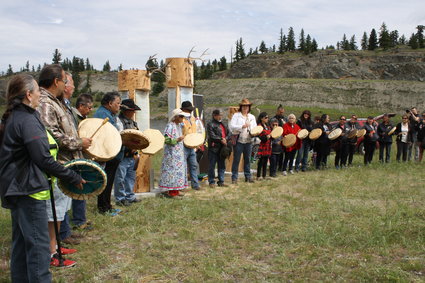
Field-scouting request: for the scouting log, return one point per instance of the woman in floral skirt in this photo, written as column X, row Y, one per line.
column 173, row 169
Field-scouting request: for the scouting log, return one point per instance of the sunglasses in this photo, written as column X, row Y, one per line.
column 343, row 119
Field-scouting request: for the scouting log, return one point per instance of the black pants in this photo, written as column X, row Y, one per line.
column 384, row 146
column 289, row 158
column 104, row 199
column 351, row 150
column 262, row 166
column 273, row 164
column 402, row 149
column 322, row 155
column 341, row 154
column 369, row 150
column 280, row 161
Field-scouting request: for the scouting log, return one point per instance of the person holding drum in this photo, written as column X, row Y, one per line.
column 370, row 139
column 25, row 159
column 173, row 169
column 291, row 128
column 323, row 144
column 352, row 127
column 83, row 107
column 404, row 137
column 304, row 122
column 190, row 153
column 240, row 125
column 276, row 149
column 281, row 119
column 59, row 122
column 111, row 103
column 218, row 135
column 125, row 175
column 340, row 150
column 385, row 139
column 265, row 148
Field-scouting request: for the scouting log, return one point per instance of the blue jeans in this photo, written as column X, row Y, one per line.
column 78, row 212
column 125, row 177
column 30, row 257
column 238, row 150
column 65, row 229
column 214, row 157
column 192, row 166
column 302, row 156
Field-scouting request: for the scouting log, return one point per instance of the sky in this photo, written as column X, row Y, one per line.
column 127, row 32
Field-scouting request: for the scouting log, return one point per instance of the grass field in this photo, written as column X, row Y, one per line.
column 357, row 224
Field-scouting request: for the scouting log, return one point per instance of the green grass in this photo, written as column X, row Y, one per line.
column 358, row 224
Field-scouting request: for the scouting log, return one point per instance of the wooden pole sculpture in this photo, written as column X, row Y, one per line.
column 136, row 84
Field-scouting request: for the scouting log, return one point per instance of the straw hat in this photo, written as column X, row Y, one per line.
column 178, row 112
column 245, row 102
column 315, row 134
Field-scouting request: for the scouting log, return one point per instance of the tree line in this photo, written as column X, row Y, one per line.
column 306, row 44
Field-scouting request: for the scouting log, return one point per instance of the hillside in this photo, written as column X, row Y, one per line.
column 397, row 64
column 390, row 80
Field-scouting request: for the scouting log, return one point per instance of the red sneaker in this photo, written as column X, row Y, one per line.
column 66, row 251
column 54, row 261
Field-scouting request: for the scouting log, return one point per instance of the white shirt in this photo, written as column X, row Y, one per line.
column 238, row 120
column 404, row 131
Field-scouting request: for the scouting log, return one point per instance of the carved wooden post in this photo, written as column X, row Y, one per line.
column 137, row 84
column 180, row 81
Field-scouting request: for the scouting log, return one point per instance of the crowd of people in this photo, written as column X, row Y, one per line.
column 38, row 135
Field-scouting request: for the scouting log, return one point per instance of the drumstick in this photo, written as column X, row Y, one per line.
column 103, row 123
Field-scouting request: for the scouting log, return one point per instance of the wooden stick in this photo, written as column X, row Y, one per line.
column 103, row 123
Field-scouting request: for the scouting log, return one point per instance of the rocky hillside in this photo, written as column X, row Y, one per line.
column 398, row 64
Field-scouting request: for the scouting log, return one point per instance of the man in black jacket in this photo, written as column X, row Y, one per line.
column 385, row 140
column 351, row 143
column 218, row 150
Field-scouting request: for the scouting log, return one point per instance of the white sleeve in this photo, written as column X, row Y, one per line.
column 234, row 127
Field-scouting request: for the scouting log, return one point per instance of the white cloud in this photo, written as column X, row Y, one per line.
column 128, row 31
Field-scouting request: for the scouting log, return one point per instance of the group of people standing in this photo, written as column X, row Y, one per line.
column 38, row 135
column 410, row 138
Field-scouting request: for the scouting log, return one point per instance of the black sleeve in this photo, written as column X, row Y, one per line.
column 213, row 136
column 36, row 142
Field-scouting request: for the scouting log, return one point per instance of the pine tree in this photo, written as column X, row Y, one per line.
column 120, row 67
column 364, row 43
column 413, row 41
column 222, row 64
column 9, row 71
column 290, row 42
column 32, row 69
column 88, row 66
column 394, row 38
column 308, row 45
column 263, row 48
column 420, row 36
column 39, row 68
column 107, row 66
column 274, row 48
column 57, row 57
column 344, row 44
column 384, row 37
column 301, row 45
column 373, row 40
column 249, row 52
column 402, row 40
column 240, row 51
column 314, row 45
column 282, row 42
column 353, row 44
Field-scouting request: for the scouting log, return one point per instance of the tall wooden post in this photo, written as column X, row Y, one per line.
column 137, row 84
column 180, row 81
